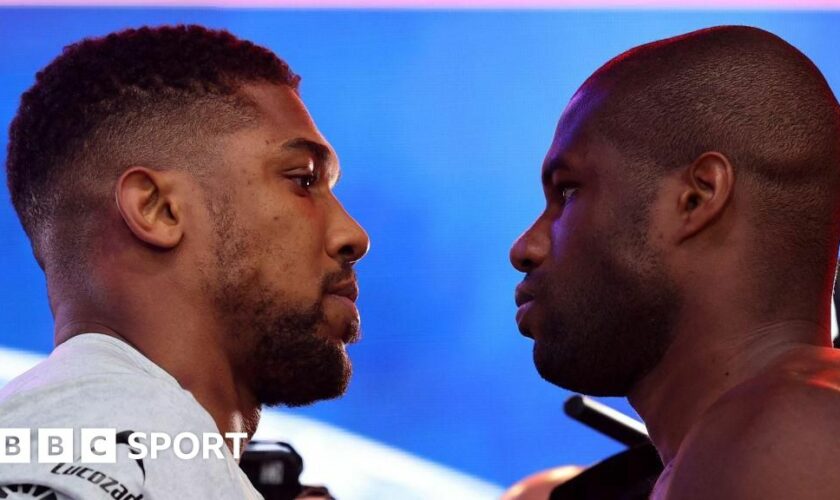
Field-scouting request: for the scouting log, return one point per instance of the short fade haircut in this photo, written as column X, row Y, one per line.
column 148, row 96
column 753, row 97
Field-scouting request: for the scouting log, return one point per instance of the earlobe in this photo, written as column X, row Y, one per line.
column 148, row 207
column 708, row 186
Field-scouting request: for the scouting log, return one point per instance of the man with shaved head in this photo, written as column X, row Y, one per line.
column 179, row 199
column 686, row 259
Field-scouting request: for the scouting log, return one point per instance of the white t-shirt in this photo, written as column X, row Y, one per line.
column 97, row 381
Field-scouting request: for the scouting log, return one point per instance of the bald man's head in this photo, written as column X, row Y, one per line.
column 749, row 95
column 701, row 169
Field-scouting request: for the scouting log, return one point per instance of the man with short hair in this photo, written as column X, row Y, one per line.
column 179, row 198
column 686, row 258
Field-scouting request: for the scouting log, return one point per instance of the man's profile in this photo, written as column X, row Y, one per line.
column 686, row 259
column 178, row 196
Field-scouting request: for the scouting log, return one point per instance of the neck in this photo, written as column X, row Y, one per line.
column 181, row 340
column 711, row 354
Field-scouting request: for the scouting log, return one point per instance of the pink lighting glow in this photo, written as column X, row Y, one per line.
column 451, row 4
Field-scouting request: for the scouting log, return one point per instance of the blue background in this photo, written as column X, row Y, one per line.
column 441, row 120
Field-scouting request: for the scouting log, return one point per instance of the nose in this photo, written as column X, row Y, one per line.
column 531, row 248
column 347, row 241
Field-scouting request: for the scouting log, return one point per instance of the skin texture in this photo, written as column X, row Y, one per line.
column 247, row 270
column 741, row 401
column 588, row 247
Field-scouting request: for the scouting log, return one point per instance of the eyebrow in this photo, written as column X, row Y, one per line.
column 322, row 154
column 554, row 164
column 316, row 149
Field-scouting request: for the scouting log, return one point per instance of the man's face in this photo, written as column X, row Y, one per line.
column 596, row 298
column 281, row 271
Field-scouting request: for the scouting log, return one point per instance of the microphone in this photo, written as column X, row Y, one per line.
column 609, row 422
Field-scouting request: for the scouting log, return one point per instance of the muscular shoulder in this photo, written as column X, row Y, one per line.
column 774, row 437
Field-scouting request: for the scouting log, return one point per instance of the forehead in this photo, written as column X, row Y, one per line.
column 283, row 133
column 283, row 116
column 577, row 146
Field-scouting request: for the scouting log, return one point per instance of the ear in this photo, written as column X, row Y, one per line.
column 708, row 185
column 150, row 210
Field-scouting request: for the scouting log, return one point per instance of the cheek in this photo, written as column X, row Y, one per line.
column 306, row 225
column 301, row 236
column 289, row 221
column 582, row 252
column 293, row 242
column 569, row 234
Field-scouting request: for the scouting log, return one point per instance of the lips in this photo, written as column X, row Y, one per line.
column 348, row 289
column 524, row 300
column 342, row 313
column 523, row 295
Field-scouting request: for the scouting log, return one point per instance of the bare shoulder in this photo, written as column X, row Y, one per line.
column 774, row 437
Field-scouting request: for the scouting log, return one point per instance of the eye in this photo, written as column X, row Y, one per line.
column 567, row 192
column 305, row 181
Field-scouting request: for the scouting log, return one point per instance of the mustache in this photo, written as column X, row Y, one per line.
column 347, row 273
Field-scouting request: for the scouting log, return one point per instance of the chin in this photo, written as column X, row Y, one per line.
column 304, row 382
column 578, row 372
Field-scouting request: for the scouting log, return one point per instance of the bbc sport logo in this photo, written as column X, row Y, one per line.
column 99, row 445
